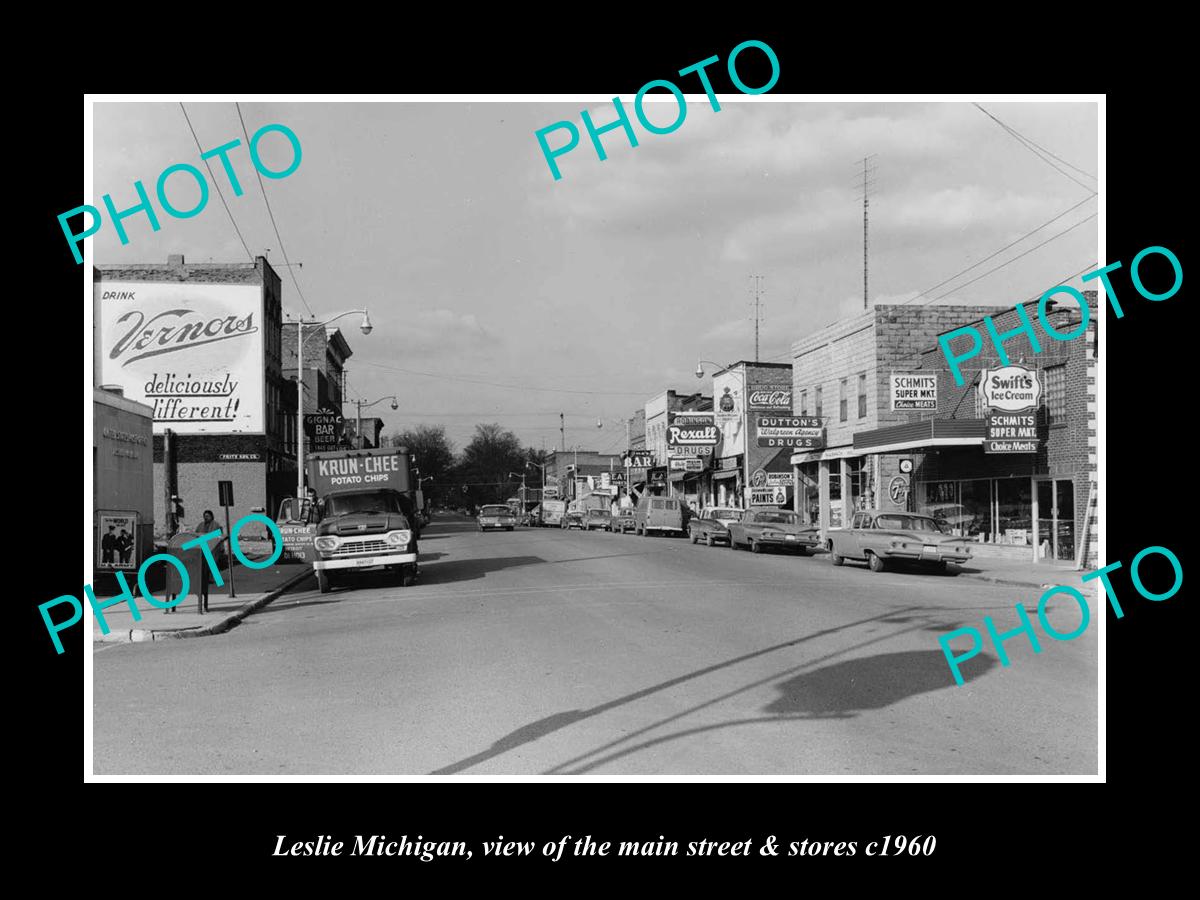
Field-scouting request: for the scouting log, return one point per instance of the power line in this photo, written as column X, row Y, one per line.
column 998, row 252
column 1014, row 259
column 515, row 387
column 1026, row 143
column 213, row 178
column 261, row 187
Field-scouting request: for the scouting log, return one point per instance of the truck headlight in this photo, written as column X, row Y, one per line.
column 326, row 543
column 398, row 538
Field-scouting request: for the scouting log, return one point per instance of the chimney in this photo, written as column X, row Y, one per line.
column 175, row 259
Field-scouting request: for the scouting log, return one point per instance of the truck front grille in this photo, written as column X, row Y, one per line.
column 354, row 548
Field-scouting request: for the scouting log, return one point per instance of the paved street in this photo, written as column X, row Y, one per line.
column 541, row 651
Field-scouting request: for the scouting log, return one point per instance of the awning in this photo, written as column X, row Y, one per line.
column 923, row 434
column 726, row 473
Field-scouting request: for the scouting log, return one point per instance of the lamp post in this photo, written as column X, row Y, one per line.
column 358, row 438
column 300, row 339
column 520, row 475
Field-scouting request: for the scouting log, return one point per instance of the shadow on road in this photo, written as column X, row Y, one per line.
column 871, row 682
column 469, row 569
column 531, row 732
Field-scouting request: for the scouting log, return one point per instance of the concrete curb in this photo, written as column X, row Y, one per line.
column 1044, row 585
column 139, row 635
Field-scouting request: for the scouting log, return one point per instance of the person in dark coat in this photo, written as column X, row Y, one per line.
column 124, row 546
column 108, row 544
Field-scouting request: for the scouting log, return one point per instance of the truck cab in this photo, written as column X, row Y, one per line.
column 363, row 530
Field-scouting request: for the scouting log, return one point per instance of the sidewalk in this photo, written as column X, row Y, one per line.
column 255, row 589
column 1021, row 573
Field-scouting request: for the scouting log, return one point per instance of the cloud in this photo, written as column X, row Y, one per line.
column 439, row 332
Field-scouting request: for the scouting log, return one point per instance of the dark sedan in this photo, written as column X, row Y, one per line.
column 762, row 529
column 712, row 526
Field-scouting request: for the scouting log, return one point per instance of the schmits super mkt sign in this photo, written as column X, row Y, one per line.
column 192, row 352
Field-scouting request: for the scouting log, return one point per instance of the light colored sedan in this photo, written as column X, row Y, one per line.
column 878, row 537
column 496, row 517
column 713, row 526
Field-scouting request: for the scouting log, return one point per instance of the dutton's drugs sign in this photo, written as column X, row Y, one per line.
column 193, row 352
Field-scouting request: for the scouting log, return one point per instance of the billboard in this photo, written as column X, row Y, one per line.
column 769, row 398
column 193, row 352
column 692, row 430
column 911, row 391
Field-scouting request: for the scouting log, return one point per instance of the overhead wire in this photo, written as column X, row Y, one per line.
column 271, row 215
column 1030, row 145
column 213, row 177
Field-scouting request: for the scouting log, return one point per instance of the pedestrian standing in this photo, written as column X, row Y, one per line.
column 108, row 545
column 207, row 525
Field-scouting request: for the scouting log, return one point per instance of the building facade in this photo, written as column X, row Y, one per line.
column 902, row 435
column 201, row 345
column 122, row 482
column 750, row 468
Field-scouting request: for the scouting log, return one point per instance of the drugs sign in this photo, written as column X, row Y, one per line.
column 800, row 432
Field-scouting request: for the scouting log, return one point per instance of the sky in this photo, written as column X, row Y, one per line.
column 499, row 294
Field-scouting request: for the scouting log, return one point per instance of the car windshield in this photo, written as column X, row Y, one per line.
column 910, row 523
column 381, row 502
column 777, row 518
column 729, row 515
column 494, row 511
column 597, row 512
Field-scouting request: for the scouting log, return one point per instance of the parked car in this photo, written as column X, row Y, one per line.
column 572, row 519
column 712, row 526
column 624, row 521
column 761, row 529
column 658, row 513
column 879, row 537
column 597, row 518
column 496, row 517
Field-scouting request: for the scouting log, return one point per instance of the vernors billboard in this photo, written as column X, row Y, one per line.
column 193, row 352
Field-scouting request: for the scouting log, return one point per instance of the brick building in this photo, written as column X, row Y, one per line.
column 744, row 393
column 201, row 344
column 841, row 375
column 1037, row 504
column 658, row 413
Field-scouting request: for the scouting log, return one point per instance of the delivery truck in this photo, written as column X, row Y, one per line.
column 365, row 514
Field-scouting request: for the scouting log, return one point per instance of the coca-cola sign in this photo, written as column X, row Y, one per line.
column 769, row 398
column 193, row 352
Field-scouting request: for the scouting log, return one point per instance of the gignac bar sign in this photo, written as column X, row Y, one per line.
column 769, row 399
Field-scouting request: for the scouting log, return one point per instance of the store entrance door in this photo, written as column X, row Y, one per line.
column 1056, row 517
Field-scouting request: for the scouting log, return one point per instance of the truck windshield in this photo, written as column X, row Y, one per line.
column 367, row 502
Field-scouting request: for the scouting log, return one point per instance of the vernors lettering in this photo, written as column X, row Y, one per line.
column 173, row 332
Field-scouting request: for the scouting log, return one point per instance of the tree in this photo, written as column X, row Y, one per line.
column 486, row 462
column 433, row 452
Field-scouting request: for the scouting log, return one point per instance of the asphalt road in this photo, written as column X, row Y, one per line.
column 540, row 651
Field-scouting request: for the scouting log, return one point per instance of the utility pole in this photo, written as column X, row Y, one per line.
column 757, row 312
column 867, row 171
column 562, row 431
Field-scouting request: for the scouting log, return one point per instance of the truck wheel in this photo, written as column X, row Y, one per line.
column 323, row 581
column 875, row 562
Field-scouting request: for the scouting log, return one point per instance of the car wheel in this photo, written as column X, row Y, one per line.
column 755, row 547
column 939, row 567
column 695, row 538
column 875, row 562
column 323, row 581
column 708, row 539
column 834, row 558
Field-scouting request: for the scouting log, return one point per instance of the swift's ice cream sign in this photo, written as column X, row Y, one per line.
column 1011, row 395
column 193, row 352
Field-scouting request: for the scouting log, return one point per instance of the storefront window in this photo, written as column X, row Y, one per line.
column 810, row 494
column 1014, row 510
column 964, row 507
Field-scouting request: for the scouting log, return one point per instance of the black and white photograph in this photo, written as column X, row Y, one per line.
column 684, row 435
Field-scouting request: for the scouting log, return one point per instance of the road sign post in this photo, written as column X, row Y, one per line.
column 225, row 493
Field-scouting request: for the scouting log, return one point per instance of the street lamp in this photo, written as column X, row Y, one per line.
column 361, row 406
column 366, row 327
column 701, row 363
